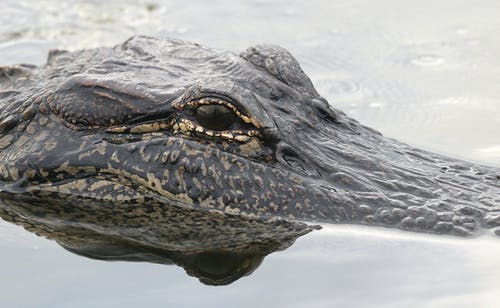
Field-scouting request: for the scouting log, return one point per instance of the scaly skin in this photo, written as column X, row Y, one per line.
column 120, row 124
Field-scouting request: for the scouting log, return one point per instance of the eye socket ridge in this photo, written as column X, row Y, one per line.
column 217, row 114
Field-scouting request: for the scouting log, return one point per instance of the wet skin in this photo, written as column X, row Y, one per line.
column 156, row 126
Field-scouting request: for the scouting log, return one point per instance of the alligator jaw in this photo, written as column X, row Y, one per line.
column 370, row 179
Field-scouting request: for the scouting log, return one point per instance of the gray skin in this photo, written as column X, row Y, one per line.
column 130, row 125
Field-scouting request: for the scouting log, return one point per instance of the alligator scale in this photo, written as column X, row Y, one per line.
column 158, row 133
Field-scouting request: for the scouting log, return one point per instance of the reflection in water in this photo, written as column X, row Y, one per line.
column 216, row 248
column 212, row 267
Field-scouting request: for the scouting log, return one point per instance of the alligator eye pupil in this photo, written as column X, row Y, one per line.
column 215, row 117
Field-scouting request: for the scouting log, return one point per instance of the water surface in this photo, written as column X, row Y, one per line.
column 424, row 72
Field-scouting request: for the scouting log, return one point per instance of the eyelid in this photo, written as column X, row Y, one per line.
column 223, row 98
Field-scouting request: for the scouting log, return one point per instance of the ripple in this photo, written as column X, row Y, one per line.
column 24, row 51
column 377, row 104
column 493, row 150
column 342, row 93
column 427, row 60
column 462, row 31
column 489, row 154
column 345, row 87
column 453, row 101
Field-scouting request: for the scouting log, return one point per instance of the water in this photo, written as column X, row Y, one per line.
column 424, row 72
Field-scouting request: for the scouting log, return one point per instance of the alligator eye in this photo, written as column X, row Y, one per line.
column 215, row 117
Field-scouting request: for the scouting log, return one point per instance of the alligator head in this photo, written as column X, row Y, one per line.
column 163, row 123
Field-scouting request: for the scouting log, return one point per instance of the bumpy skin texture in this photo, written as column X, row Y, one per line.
column 119, row 124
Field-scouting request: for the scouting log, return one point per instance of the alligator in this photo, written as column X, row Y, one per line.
column 161, row 130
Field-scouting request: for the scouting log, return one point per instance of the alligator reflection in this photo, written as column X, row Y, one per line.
column 216, row 248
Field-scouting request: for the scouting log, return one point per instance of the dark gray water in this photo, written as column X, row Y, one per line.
column 424, row 73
